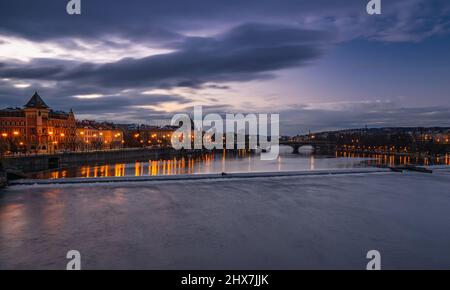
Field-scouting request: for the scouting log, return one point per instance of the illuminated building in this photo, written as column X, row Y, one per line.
column 92, row 135
column 36, row 128
column 150, row 136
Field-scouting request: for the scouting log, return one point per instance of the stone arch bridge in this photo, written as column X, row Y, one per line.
column 318, row 145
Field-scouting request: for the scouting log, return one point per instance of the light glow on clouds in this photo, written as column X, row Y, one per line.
column 165, row 107
column 90, row 96
column 22, row 86
column 347, row 105
column 20, row 49
column 198, row 96
column 162, row 92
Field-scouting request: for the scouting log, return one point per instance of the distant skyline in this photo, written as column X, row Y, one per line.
column 322, row 64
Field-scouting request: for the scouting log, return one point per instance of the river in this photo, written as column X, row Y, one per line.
column 298, row 222
column 230, row 161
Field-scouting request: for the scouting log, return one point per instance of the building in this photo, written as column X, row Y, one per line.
column 149, row 136
column 92, row 135
column 36, row 128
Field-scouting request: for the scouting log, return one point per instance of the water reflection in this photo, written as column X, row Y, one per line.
column 395, row 160
column 241, row 161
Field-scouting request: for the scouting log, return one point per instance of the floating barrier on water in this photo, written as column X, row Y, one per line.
column 411, row 168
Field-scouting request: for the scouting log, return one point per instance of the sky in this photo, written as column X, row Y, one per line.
column 320, row 64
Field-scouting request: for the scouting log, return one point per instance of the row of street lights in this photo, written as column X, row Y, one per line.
column 15, row 133
column 11, row 139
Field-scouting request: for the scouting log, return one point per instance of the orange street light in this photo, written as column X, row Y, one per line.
column 62, row 135
column 16, row 133
column 5, row 135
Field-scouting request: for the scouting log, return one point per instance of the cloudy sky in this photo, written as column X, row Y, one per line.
column 320, row 64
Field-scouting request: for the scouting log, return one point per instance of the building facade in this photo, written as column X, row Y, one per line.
column 149, row 136
column 37, row 128
column 92, row 135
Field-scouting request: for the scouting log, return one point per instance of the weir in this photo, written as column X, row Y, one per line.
column 187, row 177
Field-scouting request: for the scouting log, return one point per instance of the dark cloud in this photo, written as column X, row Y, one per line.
column 161, row 21
column 241, row 54
column 244, row 53
column 65, row 97
column 33, row 71
column 213, row 42
column 118, row 104
column 157, row 19
column 217, row 87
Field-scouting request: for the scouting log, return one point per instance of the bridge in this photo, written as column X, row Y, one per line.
column 318, row 145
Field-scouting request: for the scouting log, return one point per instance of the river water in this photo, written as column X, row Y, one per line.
column 233, row 162
column 299, row 222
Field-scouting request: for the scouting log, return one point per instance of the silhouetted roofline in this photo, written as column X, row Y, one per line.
column 36, row 102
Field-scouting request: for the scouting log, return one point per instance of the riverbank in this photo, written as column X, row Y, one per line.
column 290, row 222
column 42, row 162
column 417, row 155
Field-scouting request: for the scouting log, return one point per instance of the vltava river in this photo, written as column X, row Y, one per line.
column 233, row 162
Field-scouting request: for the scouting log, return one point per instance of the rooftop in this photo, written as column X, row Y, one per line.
column 36, row 102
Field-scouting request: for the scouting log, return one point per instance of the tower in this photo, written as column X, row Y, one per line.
column 36, row 116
